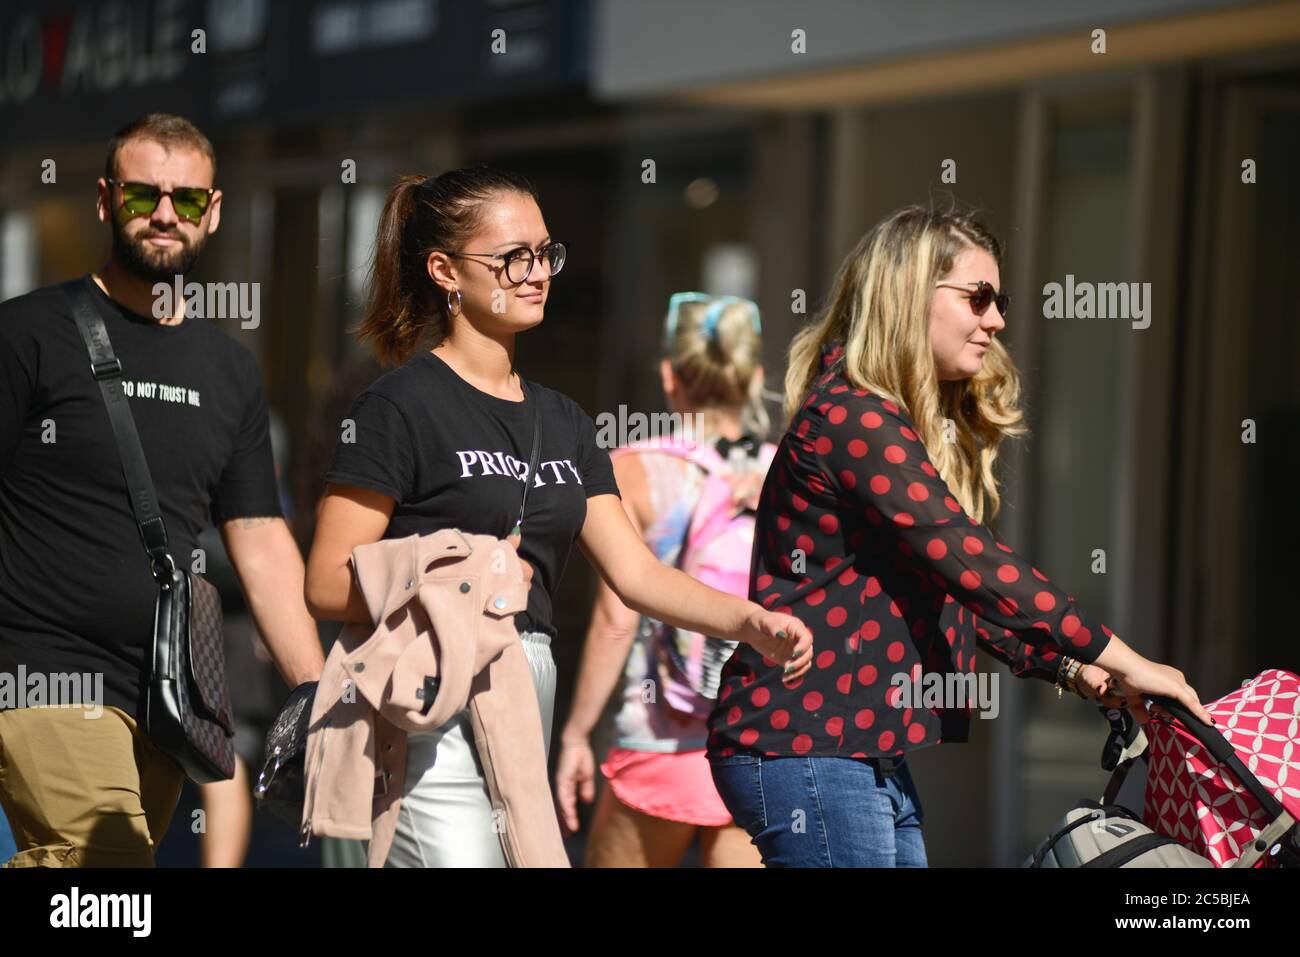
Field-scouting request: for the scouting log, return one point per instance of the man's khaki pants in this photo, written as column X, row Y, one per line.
column 83, row 792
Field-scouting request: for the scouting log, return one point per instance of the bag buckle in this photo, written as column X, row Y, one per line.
column 106, row 368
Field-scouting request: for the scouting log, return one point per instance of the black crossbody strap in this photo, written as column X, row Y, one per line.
column 107, row 370
column 532, row 467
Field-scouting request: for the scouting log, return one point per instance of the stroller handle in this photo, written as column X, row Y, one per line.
column 1222, row 751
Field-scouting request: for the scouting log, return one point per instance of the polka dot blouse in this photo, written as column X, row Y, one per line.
column 859, row 538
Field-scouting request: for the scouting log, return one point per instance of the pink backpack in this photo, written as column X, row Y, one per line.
column 716, row 550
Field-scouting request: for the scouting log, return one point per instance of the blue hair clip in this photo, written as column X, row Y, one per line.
column 709, row 325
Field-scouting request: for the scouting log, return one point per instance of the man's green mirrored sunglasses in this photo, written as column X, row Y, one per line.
column 190, row 202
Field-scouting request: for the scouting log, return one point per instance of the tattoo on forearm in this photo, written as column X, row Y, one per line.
column 256, row 522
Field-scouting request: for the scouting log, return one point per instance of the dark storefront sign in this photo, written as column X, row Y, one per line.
column 68, row 68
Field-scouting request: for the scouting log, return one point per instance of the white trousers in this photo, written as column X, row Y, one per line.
column 446, row 814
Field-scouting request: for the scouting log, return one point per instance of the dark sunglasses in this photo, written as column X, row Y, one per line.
column 983, row 296
column 190, row 202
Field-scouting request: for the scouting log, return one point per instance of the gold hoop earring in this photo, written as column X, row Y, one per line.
column 459, row 302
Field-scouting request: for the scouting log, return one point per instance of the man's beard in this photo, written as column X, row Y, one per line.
column 151, row 263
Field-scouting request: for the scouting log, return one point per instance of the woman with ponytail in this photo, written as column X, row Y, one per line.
column 869, row 529
column 463, row 264
column 693, row 497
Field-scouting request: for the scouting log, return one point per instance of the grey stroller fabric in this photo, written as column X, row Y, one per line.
column 1094, row 835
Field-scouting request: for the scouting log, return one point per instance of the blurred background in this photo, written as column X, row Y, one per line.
column 744, row 147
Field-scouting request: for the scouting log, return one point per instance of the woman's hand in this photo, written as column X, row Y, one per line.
column 575, row 776
column 1150, row 677
column 783, row 639
column 1097, row 684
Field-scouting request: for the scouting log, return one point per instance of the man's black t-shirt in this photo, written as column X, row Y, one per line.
column 453, row 456
column 76, row 592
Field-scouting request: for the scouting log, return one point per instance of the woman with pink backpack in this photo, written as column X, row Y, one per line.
column 692, row 496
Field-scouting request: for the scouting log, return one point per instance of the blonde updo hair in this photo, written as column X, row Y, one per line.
column 714, row 351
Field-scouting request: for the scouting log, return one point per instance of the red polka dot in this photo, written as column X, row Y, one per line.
column 916, row 733
column 895, row 454
column 880, row 484
column 929, row 469
column 895, row 651
column 805, row 543
column 1044, row 601
column 848, row 479
column 871, row 420
column 1069, row 625
column 812, row 700
column 748, row 736
column 972, row 545
column 817, row 596
column 885, row 741
column 835, row 727
column 783, row 522
column 952, row 504
column 823, row 445
column 829, row 524
column 917, row 492
column 733, row 715
column 970, row 579
column 867, row 675
column 836, row 415
column 760, row 697
column 1081, row 637
column 1008, row 606
column 780, row 718
column 936, row 549
column 799, row 502
column 826, row 659
column 1037, row 574
column 763, row 582
column 802, row 744
column 870, row 630
column 844, row 683
column 857, row 448
column 872, row 588
column 904, row 519
column 802, row 430
column 1008, row 573
column 889, row 406
column 865, row 718
column 836, row 617
column 848, row 576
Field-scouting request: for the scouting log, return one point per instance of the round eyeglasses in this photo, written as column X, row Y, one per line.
column 518, row 262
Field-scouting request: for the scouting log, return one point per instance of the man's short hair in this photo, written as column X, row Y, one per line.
column 165, row 128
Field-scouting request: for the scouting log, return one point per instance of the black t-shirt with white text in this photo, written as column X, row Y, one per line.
column 453, row 456
column 76, row 592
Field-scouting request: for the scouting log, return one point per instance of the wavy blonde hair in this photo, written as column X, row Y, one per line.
column 880, row 309
column 718, row 369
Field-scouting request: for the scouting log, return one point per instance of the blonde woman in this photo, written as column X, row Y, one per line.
column 660, row 794
column 869, row 530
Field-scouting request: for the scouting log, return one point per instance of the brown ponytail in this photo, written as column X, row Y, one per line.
column 405, row 308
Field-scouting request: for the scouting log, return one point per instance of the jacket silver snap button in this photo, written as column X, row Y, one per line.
column 500, row 603
column 464, row 586
column 410, row 584
column 359, row 666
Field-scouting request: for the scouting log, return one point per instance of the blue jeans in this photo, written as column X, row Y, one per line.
column 824, row 811
column 7, row 846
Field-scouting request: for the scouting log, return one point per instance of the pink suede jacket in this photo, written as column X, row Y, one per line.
column 444, row 606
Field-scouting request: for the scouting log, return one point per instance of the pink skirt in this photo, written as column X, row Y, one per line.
column 676, row 786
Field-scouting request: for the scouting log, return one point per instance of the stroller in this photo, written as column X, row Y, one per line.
column 1222, row 796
